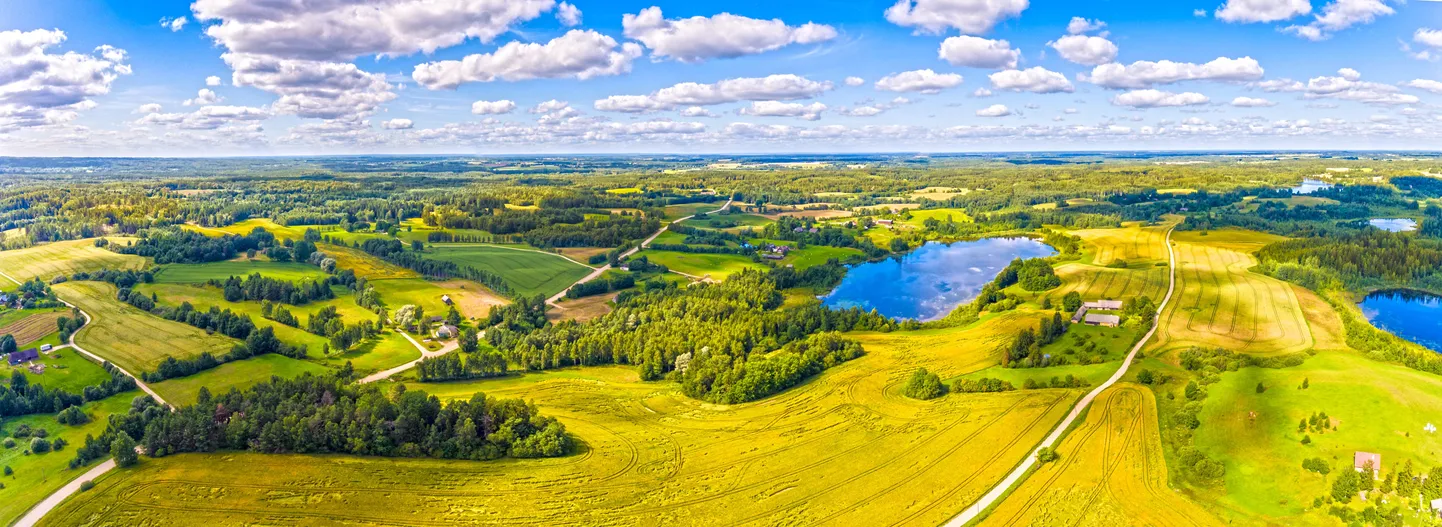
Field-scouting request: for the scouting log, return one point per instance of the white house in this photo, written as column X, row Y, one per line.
column 447, row 331
column 446, row 299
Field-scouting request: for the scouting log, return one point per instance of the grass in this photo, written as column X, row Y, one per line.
column 754, row 221
column 131, row 338
column 1094, row 374
column 64, row 258
column 473, row 300
column 717, row 266
column 200, row 273
column 919, row 216
column 1111, row 472
column 245, row 227
column 38, row 475
column 364, row 265
column 527, row 272
column 65, row 369
column 237, row 374
column 31, row 325
column 582, row 309
column 843, row 448
column 818, row 254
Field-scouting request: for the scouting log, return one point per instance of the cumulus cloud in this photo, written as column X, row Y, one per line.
column 977, row 52
column 700, row 38
column 313, row 89
column 1244, row 11
column 981, row 92
column 969, row 16
column 1035, row 80
column 995, row 110
column 1340, row 15
column 1082, row 49
column 568, row 14
column 580, row 54
column 809, row 112
column 205, row 118
column 202, row 98
column 1079, row 25
column 1347, row 85
column 39, row 88
column 148, row 108
column 923, row 81
column 1251, row 102
column 502, row 106
column 1425, row 84
column 397, row 124
column 855, row 81
column 870, row 109
column 1158, row 99
column 1145, row 74
column 696, row 111
column 783, row 87
column 1428, row 37
column 212, row 81
column 174, row 24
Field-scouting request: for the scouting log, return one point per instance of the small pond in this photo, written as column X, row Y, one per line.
column 927, row 283
column 1394, row 224
column 1309, row 186
column 1412, row 315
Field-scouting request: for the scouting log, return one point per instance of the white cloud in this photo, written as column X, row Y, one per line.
column 148, row 108
column 1425, row 84
column 1340, row 15
column 1145, row 74
column 874, row 109
column 550, row 106
column 39, row 88
column 699, row 38
column 205, row 118
column 924, row 81
column 1079, row 25
column 1349, row 74
column 1251, row 102
column 174, row 24
column 313, row 89
column 502, row 106
column 809, row 112
column 203, row 97
column 1347, row 86
column 969, row 16
column 1199, row 13
column 568, row 14
column 1070, row 111
column 995, row 110
column 981, row 92
column 855, row 81
column 580, row 54
column 1035, row 80
column 784, row 87
column 696, row 111
column 1083, row 49
column 1243, row 11
column 1158, row 98
column 212, row 81
column 397, row 124
column 977, row 52
column 1428, row 37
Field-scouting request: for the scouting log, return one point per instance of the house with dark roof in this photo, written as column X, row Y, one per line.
column 23, row 356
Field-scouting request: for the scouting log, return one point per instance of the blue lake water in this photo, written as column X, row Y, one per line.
column 1394, row 224
column 927, row 283
column 1412, row 315
column 1309, row 186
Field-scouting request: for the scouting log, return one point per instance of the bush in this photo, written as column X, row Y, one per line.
column 86, row 485
column 1317, row 465
column 9, row 442
column 72, row 416
column 39, row 445
column 1047, row 455
column 924, row 385
column 21, row 432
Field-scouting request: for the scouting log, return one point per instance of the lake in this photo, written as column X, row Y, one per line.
column 1412, row 315
column 1309, row 186
column 929, row 282
column 1394, row 224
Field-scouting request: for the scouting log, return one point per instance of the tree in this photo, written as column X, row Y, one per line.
column 468, row 340
column 406, row 316
column 453, row 317
column 1346, row 486
column 1261, row 388
column 123, row 450
column 899, row 245
column 1071, row 302
column 1047, row 454
column 7, row 344
column 1146, row 377
column 923, row 385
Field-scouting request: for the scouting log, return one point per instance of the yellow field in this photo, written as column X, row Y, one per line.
column 131, row 338
column 844, row 448
column 1142, row 247
column 364, row 265
column 1111, row 472
column 64, row 258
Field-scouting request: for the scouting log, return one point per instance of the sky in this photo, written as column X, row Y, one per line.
column 310, row 77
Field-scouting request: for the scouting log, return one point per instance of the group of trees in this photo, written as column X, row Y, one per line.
column 20, row 397
column 923, row 385
column 1025, row 349
column 602, row 286
column 257, row 287
column 182, row 246
column 1034, row 274
column 471, row 363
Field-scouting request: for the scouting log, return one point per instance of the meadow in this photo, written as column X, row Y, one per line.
column 1111, row 472
column 364, row 265
column 919, row 216
column 200, row 273
column 133, row 339
column 716, row 266
column 65, row 369
column 528, row 272
column 471, row 299
column 236, row 374
column 64, row 258
column 37, row 475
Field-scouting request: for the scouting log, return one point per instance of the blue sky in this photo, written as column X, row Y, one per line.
column 538, row 76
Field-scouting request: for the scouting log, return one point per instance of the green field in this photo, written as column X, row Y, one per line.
column 741, row 220
column 65, row 369
column 471, row 299
column 131, row 338
column 200, row 273
column 919, row 216
column 236, row 374
column 527, row 272
column 64, row 258
column 717, row 266
column 38, row 475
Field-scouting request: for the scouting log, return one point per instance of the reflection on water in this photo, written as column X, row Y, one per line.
column 1412, row 315
column 1309, row 186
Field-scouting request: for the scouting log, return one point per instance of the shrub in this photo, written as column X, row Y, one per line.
column 1146, row 377
column 86, row 485
column 72, row 416
column 1047, row 455
column 924, row 385
column 39, row 445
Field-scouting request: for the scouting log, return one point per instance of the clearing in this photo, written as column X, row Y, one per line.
column 716, row 266
column 32, row 325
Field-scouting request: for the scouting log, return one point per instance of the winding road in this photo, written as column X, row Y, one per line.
column 425, row 354
column 974, row 512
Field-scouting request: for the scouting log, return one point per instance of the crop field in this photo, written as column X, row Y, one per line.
column 717, row 266
column 33, row 327
column 243, row 228
column 38, row 475
column 581, row 309
column 1221, row 303
column 1375, row 407
column 200, row 273
column 1111, row 472
column 473, row 300
column 131, row 338
column 1141, row 247
column 64, row 258
column 845, row 447
column 65, row 369
column 689, row 209
column 527, row 272
column 364, row 265
column 236, row 374
column 919, row 217
column 754, row 221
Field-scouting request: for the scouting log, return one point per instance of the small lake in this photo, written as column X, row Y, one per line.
column 1394, row 224
column 1412, row 315
column 927, row 283
column 1309, row 186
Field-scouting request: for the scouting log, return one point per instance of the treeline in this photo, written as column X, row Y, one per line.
column 558, row 227
column 395, row 252
column 460, row 366
column 1025, row 350
column 1370, row 257
column 259, row 342
column 182, row 246
column 798, row 230
column 602, row 286
column 20, row 397
column 330, row 414
column 257, row 287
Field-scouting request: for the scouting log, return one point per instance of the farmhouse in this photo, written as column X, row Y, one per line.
column 447, row 331
column 1364, row 461
column 1109, row 321
column 1111, row 305
column 23, row 356
column 772, row 256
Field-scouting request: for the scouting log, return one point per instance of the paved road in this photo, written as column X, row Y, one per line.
column 602, row 270
column 425, row 354
column 973, row 512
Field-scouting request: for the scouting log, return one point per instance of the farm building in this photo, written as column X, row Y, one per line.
column 446, row 299
column 1080, row 312
column 884, row 222
column 772, row 256
column 23, row 356
column 46, row 348
column 1437, row 507
column 447, row 331
column 1109, row 321
column 1111, row 305
column 1362, row 461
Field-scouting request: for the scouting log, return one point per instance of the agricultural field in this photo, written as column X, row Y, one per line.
column 939, row 193
column 716, row 266
column 919, row 216
column 364, row 265
column 235, row 374
column 200, row 273
column 31, row 325
column 65, row 369
column 1111, row 472
column 37, row 475
column 845, row 445
column 528, row 272
column 416, row 230
column 581, row 309
column 131, row 338
column 755, row 221
column 245, row 227
column 65, row 258
column 690, row 209
column 473, row 300
column 1143, row 248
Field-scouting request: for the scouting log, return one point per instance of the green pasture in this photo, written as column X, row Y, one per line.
column 527, row 272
